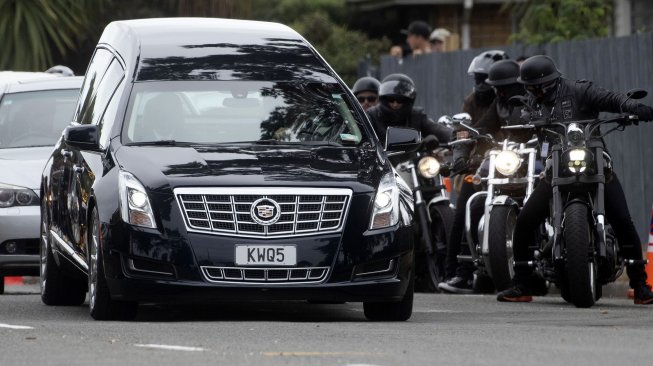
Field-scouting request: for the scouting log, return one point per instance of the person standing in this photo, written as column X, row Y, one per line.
column 417, row 37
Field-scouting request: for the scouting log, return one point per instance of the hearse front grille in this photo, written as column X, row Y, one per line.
column 264, row 275
column 229, row 211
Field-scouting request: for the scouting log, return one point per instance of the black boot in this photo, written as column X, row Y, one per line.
column 643, row 294
column 520, row 291
column 637, row 275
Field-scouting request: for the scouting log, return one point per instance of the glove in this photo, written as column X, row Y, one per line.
column 644, row 112
column 459, row 166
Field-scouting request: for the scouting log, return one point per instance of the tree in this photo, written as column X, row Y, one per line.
column 322, row 22
column 31, row 30
column 545, row 21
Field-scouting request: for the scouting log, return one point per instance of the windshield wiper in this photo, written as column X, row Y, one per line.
column 160, row 143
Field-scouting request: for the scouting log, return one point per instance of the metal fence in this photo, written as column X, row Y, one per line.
column 618, row 64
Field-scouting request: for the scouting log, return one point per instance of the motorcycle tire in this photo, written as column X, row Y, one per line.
column 500, row 259
column 441, row 223
column 581, row 269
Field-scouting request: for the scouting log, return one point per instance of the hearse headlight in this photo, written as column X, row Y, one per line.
column 428, row 167
column 386, row 203
column 11, row 195
column 507, row 162
column 577, row 160
column 135, row 208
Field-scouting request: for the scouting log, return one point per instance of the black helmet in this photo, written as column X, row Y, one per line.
column 538, row 70
column 504, row 72
column 398, row 85
column 481, row 63
column 366, row 83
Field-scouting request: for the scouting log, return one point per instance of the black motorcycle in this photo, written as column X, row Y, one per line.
column 424, row 172
column 582, row 254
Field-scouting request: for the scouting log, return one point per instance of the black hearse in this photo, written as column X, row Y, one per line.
column 214, row 160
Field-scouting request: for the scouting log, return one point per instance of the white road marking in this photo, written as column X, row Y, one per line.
column 15, row 326
column 170, row 347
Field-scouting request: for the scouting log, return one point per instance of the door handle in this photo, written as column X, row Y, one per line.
column 66, row 153
column 78, row 169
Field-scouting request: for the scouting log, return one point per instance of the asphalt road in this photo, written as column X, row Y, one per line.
column 444, row 330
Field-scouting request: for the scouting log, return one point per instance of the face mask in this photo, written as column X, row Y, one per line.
column 543, row 92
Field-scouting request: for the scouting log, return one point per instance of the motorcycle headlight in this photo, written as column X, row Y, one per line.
column 135, row 205
column 575, row 135
column 507, row 162
column 386, row 203
column 577, row 160
column 428, row 167
column 11, row 195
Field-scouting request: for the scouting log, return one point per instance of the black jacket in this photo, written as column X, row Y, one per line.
column 417, row 120
column 579, row 100
column 576, row 100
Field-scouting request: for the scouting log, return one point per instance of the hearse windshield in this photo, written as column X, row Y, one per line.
column 256, row 112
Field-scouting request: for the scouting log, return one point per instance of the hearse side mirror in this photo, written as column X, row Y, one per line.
column 84, row 137
column 402, row 139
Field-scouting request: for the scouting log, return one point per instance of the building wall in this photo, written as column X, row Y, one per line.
column 642, row 15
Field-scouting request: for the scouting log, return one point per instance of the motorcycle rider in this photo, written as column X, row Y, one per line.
column 560, row 99
column 396, row 98
column 366, row 90
column 476, row 104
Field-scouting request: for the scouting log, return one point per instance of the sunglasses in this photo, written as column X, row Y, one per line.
column 369, row 99
column 400, row 100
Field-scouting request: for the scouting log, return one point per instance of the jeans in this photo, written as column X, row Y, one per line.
column 452, row 267
column 536, row 210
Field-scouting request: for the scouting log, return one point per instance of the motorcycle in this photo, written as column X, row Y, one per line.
column 582, row 254
column 507, row 178
column 424, row 172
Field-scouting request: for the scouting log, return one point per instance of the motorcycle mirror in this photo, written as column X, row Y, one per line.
column 633, row 94
column 430, row 142
column 462, row 116
column 518, row 101
column 445, row 120
column 637, row 93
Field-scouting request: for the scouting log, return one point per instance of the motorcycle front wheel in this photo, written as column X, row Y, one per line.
column 500, row 259
column 441, row 222
column 581, row 268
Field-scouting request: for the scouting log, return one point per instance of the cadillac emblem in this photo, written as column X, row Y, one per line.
column 265, row 211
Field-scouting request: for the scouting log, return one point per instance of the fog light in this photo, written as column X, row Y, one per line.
column 11, row 247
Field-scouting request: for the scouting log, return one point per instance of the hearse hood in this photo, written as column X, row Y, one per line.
column 162, row 168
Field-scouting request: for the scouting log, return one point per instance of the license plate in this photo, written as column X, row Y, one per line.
column 268, row 255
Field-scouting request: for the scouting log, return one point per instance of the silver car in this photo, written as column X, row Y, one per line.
column 35, row 107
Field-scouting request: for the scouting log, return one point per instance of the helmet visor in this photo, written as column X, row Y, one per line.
column 397, row 88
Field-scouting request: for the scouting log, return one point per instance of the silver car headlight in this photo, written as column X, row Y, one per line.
column 428, row 167
column 11, row 195
column 135, row 205
column 507, row 162
column 386, row 203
